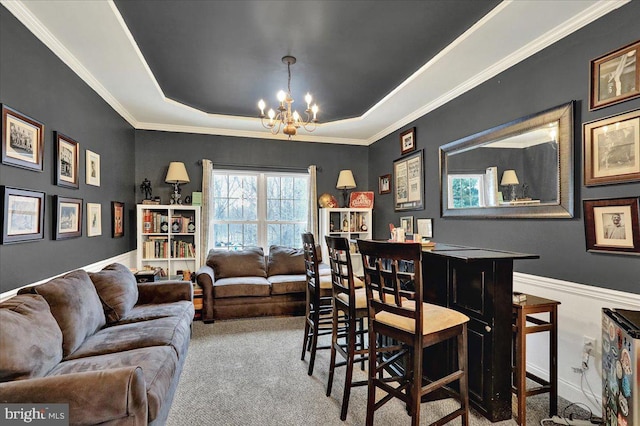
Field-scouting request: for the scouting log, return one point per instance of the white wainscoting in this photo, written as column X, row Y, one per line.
column 579, row 315
column 127, row 259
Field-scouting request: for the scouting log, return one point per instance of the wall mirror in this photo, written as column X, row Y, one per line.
column 520, row 169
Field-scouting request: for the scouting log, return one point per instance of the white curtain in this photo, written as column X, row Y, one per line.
column 207, row 209
column 313, row 202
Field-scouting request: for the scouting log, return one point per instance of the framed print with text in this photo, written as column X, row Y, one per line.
column 117, row 219
column 22, row 140
column 425, row 227
column 94, row 219
column 67, row 217
column 611, row 225
column 408, row 182
column 612, row 150
column 93, row 168
column 67, row 161
column 615, row 77
column 22, row 215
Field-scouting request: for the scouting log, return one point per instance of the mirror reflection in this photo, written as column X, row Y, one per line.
column 520, row 169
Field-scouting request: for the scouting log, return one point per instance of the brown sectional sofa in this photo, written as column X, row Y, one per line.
column 246, row 283
column 111, row 348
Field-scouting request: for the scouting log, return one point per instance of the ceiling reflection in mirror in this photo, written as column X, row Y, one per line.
column 520, row 169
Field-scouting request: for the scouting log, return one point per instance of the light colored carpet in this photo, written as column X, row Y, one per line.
column 249, row 372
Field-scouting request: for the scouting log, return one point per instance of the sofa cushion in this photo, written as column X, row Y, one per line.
column 159, row 365
column 30, row 341
column 117, row 289
column 287, row 284
column 285, row 260
column 180, row 309
column 248, row 262
column 75, row 305
column 241, row 286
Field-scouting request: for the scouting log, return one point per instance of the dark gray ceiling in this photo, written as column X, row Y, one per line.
column 223, row 56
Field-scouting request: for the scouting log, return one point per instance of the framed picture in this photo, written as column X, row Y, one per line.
column 22, row 215
column 361, row 200
column 611, row 225
column 67, row 218
column 408, row 141
column 384, row 184
column 22, row 140
column 117, row 219
column 408, row 182
column 425, row 227
column 93, row 168
column 94, row 219
column 615, row 77
column 612, row 149
column 406, row 223
column 67, row 161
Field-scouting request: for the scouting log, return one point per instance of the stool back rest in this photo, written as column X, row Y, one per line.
column 341, row 269
column 311, row 262
column 386, row 276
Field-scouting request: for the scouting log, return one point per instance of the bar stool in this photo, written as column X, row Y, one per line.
column 521, row 316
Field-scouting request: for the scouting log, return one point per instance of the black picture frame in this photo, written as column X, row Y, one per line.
column 67, row 217
column 408, row 182
column 612, row 225
column 22, row 215
column 67, row 157
column 22, row 140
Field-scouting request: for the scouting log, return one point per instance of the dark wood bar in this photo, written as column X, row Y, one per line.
column 479, row 283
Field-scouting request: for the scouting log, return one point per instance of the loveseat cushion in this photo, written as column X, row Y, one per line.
column 158, row 363
column 182, row 309
column 288, row 284
column 117, row 289
column 285, row 261
column 30, row 341
column 75, row 305
column 241, row 286
column 248, row 262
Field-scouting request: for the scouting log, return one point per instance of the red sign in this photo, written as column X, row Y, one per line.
column 361, row 200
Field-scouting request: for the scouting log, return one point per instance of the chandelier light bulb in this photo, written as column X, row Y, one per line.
column 308, row 99
column 314, row 109
column 281, row 96
column 272, row 114
column 261, row 105
column 296, row 116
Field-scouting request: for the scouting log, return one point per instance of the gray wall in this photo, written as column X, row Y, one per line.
column 154, row 151
column 36, row 83
column 552, row 77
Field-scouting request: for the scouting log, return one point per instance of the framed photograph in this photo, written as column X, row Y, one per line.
column 22, row 215
column 384, row 184
column 94, row 219
column 408, row 182
column 22, row 140
column 93, row 168
column 612, row 150
column 611, row 225
column 67, row 161
column 408, row 141
column 425, row 227
column 117, row 219
column 406, row 223
column 67, row 218
column 615, row 77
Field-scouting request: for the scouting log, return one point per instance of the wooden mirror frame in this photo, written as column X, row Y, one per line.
column 564, row 208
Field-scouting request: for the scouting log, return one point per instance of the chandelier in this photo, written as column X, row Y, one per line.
column 285, row 119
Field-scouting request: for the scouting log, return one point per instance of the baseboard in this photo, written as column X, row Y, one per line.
column 127, row 259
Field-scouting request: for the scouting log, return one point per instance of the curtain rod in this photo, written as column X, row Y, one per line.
column 259, row 167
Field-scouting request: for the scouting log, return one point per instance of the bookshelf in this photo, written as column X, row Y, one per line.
column 349, row 223
column 168, row 237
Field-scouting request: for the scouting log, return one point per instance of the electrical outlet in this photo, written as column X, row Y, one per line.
column 588, row 349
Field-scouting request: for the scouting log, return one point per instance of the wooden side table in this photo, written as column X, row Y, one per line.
column 521, row 316
column 197, row 301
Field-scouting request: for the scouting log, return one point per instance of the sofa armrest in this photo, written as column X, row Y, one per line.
column 164, row 292
column 205, row 277
column 94, row 397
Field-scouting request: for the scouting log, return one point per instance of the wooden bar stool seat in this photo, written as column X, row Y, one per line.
column 522, row 320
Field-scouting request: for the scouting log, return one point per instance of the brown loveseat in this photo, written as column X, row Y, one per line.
column 246, row 283
column 110, row 348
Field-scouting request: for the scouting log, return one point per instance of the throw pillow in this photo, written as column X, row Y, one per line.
column 30, row 341
column 285, row 261
column 118, row 291
column 248, row 262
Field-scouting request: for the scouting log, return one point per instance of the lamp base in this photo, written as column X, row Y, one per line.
column 345, row 199
column 176, row 197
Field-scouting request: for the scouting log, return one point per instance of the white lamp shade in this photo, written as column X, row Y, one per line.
column 509, row 177
column 346, row 180
column 177, row 173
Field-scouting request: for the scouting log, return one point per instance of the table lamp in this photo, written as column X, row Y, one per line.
column 510, row 178
column 345, row 181
column 176, row 175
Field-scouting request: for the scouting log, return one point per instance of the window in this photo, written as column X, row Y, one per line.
column 259, row 209
column 466, row 190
